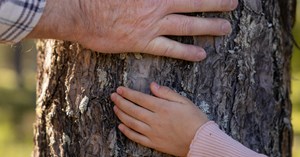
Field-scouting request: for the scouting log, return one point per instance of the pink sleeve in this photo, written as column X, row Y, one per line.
column 210, row 141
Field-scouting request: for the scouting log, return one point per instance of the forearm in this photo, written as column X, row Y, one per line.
column 59, row 21
column 210, row 141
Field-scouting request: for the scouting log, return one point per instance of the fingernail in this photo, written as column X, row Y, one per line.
column 119, row 91
column 201, row 55
column 233, row 4
column 120, row 127
column 112, row 96
column 115, row 108
column 226, row 28
column 156, row 86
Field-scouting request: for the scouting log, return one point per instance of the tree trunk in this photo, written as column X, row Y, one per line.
column 243, row 85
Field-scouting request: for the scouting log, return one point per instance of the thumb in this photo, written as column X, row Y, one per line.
column 167, row 93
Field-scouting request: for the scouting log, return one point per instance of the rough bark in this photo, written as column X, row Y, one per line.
column 243, row 85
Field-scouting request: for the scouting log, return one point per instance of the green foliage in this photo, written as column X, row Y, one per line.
column 295, row 97
column 17, row 105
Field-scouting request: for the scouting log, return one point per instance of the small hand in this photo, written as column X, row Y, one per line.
column 115, row 26
column 167, row 122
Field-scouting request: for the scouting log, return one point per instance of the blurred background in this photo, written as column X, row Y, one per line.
column 17, row 97
column 295, row 96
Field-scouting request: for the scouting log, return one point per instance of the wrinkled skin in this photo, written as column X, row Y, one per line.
column 166, row 121
column 133, row 25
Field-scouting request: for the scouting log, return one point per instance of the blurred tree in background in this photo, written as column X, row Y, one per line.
column 17, row 96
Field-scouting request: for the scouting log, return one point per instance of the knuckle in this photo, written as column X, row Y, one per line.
column 185, row 27
column 164, row 110
column 197, row 3
column 140, row 115
column 132, row 124
column 167, row 51
column 154, row 46
column 135, row 111
column 135, row 96
column 166, row 90
column 149, row 46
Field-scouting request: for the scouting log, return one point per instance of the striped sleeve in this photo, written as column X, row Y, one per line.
column 18, row 18
column 210, row 141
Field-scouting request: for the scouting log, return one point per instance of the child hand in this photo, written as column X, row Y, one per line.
column 167, row 122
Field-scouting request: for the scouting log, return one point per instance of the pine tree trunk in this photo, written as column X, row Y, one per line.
column 243, row 85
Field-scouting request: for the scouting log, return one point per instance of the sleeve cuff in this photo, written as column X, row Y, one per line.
column 18, row 18
column 210, row 141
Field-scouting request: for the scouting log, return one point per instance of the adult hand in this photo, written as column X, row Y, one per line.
column 167, row 122
column 133, row 25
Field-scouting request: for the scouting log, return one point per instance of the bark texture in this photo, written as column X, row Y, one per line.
column 243, row 85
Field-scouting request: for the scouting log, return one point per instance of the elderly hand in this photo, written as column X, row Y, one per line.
column 116, row 26
column 167, row 122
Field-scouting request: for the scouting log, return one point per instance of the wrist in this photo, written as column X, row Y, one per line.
column 199, row 123
column 58, row 21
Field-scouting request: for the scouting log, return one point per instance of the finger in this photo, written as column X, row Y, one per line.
column 162, row 46
column 131, row 109
column 187, row 26
column 167, row 93
column 131, row 122
column 146, row 101
column 180, row 6
column 134, row 136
